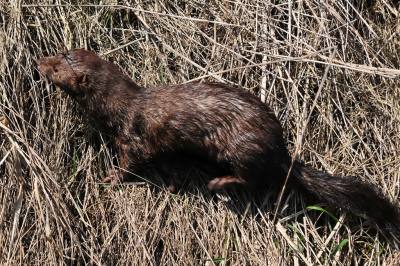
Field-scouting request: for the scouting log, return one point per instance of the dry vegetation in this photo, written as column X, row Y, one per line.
column 330, row 69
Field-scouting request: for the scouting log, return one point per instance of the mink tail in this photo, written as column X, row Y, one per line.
column 351, row 194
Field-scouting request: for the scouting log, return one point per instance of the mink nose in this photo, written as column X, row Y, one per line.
column 38, row 64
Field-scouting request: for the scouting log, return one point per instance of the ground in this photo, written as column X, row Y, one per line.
column 330, row 71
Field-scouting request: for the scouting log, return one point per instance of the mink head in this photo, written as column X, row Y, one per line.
column 71, row 71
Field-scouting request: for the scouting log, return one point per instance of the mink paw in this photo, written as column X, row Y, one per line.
column 114, row 177
column 222, row 182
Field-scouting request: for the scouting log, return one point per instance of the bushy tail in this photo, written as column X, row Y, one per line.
column 351, row 194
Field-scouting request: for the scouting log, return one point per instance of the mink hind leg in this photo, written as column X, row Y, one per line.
column 254, row 173
column 185, row 170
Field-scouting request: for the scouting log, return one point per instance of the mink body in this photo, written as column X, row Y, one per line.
column 227, row 126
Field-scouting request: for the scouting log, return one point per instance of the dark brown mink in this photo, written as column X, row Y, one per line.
column 224, row 125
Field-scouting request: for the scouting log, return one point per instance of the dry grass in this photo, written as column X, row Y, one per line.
column 330, row 69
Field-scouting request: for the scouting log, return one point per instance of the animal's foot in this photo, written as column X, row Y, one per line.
column 224, row 181
column 114, row 177
column 172, row 188
column 173, row 185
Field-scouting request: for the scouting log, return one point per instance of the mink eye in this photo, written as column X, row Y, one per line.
column 55, row 70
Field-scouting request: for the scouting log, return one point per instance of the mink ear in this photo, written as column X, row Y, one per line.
column 83, row 79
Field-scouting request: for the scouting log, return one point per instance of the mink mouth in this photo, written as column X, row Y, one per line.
column 42, row 75
column 47, row 77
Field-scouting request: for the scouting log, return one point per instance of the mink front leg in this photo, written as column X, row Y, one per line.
column 116, row 176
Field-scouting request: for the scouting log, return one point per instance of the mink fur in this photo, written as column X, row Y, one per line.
column 224, row 125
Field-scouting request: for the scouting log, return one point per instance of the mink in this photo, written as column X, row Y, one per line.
column 221, row 124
